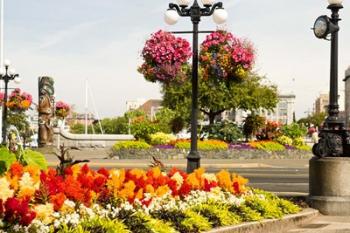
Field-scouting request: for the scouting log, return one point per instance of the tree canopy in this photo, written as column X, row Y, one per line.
column 216, row 96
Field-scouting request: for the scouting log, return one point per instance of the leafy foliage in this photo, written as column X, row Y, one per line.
column 225, row 131
column 217, row 215
column 161, row 138
column 216, row 97
column 35, row 158
column 268, row 146
column 130, row 145
column 285, row 140
column 6, row 159
column 252, row 124
column 143, row 129
column 203, row 145
column 294, row 130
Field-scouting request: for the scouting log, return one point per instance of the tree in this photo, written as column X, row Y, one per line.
column 216, row 96
column 20, row 121
column 315, row 119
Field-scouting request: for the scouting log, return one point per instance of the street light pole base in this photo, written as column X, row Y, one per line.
column 330, row 185
column 193, row 161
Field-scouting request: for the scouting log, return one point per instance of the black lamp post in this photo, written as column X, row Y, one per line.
column 195, row 12
column 6, row 75
column 334, row 139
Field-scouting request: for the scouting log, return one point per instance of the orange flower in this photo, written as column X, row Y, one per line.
column 162, row 190
column 57, row 200
column 224, row 180
column 25, row 104
column 239, row 183
column 193, row 181
column 34, row 172
column 16, row 169
column 128, row 191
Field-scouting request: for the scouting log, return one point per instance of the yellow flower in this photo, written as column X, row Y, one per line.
column 5, row 192
column 156, row 172
column 34, row 172
column 139, row 194
column 138, row 173
column 116, row 180
column 224, row 180
column 44, row 213
column 27, row 186
column 193, row 181
column 162, row 190
column 75, row 170
column 128, row 190
column 149, row 189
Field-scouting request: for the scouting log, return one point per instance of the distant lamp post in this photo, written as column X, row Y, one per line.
column 334, row 140
column 6, row 75
column 195, row 12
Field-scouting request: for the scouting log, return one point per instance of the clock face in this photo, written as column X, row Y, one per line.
column 321, row 27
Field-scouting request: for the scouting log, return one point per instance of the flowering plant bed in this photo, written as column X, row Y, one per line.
column 17, row 100
column 62, row 109
column 84, row 200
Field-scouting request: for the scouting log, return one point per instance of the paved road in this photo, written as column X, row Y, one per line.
column 277, row 175
column 283, row 180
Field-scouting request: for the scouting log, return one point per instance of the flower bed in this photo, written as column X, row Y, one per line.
column 211, row 149
column 84, row 200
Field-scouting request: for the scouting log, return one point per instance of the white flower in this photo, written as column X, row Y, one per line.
column 5, row 192
column 178, row 178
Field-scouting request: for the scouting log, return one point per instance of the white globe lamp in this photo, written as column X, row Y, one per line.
column 17, row 80
column 220, row 16
column 171, row 17
column 335, row 2
column 208, row 3
column 183, row 3
column 7, row 62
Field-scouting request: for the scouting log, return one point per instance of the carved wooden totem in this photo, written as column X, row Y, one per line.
column 46, row 111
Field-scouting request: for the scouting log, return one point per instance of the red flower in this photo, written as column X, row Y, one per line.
column 103, row 171
column 17, row 210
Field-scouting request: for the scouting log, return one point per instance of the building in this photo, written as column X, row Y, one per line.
column 151, row 107
column 284, row 112
column 79, row 118
column 321, row 103
column 134, row 104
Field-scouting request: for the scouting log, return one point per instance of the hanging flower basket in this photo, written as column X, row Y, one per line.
column 18, row 101
column 226, row 57
column 62, row 109
column 165, row 57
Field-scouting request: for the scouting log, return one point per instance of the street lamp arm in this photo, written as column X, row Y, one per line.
column 181, row 11
column 208, row 12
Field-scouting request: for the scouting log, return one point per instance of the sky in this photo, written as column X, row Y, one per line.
column 101, row 41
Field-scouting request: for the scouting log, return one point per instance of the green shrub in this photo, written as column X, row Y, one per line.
column 142, row 130
column 247, row 214
column 103, row 225
column 288, row 207
column 194, row 222
column 203, row 145
column 285, row 140
column 124, row 145
column 266, row 207
column 294, row 130
column 225, row 131
column 298, row 142
column 304, row 147
column 161, row 138
column 268, row 146
column 217, row 215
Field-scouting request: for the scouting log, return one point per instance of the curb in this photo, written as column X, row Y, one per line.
column 270, row 225
column 179, row 165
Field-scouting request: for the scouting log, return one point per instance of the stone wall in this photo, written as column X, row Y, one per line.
column 215, row 154
column 88, row 141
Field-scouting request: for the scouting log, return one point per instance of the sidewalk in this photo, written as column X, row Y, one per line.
column 325, row 224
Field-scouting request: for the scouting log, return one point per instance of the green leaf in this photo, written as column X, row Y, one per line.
column 6, row 159
column 35, row 158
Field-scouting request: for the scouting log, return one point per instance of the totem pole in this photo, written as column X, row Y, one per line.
column 46, row 111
